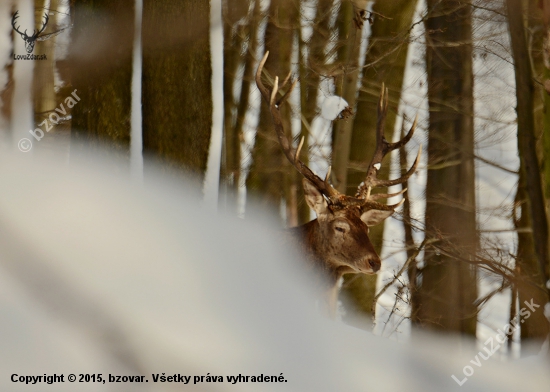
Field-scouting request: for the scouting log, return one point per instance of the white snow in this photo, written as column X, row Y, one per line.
column 332, row 106
column 100, row 276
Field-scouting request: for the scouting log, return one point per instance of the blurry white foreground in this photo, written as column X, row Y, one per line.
column 99, row 276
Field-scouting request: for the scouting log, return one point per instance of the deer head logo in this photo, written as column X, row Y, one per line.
column 29, row 40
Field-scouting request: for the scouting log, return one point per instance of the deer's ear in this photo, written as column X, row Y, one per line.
column 374, row 217
column 315, row 199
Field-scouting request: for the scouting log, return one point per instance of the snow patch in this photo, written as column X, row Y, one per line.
column 332, row 107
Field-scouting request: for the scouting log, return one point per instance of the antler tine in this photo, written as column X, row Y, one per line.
column 286, row 145
column 377, row 196
column 274, row 92
column 396, row 145
column 286, row 79
column 382, row 111
column 369, row 204
column 383, row 147
column 298, row 150
column 408, row 136
column 263, row 90
column 403, row 178
column 287, row 94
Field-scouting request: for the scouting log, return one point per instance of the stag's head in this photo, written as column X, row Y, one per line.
column 29, row 40
column 344, row 240
column 343, row 221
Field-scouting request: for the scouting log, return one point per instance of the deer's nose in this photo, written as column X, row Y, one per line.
column 375, row 265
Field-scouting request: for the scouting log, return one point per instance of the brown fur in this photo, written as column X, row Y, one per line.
column 334, row 254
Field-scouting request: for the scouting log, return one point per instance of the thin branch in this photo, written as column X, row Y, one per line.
column 405, row 266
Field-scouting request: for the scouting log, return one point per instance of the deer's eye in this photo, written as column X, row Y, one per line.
column 340, row 229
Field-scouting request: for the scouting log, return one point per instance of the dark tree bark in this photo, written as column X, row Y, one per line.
column 6, row 97
column 528, row 284
column 177, row 93
column 540, row 27
column 533, row 271
column 102, row 70
column 448, row 289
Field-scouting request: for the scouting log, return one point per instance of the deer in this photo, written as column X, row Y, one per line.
column 337, row 241
column 29, row 40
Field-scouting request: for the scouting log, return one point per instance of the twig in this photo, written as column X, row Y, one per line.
column 409, row 260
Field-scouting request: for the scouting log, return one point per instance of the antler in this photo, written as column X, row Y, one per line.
column 383, row 147
column 46, row 17
column 13, row 20
column 333, row 196
column 363, row 198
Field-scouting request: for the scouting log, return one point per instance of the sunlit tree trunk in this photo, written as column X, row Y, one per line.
column 412, row 269
column 235, row 33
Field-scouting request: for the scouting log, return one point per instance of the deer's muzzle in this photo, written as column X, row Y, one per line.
column 375, row 265
column 369, row 266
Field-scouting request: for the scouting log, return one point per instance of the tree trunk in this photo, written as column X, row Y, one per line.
column 385, row 62
column 311, row 69
column 528, row 284
column 101, row 71
column 349, row 34
column 6, row 98
column 177, row 93
column 44, row 93
column 533, row 271
column 448, row 289
column 267, row 178
column 234, row 36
